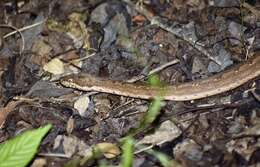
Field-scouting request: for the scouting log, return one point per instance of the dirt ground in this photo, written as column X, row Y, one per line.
column 178, row 41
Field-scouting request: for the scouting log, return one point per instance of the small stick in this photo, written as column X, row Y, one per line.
column 163, row 66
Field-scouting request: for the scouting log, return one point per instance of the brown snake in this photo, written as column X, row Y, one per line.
column 198, row 89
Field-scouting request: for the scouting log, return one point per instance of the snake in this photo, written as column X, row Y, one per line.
column 219, row 83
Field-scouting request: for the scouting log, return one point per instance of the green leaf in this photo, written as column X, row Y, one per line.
column 154, row 80
column 128, row 152
column 19, row 151
column 150, row 116
column 154, row 111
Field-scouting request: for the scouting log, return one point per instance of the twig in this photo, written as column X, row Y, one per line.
column 57, row 155
column 20, row 32
column 16, row 30
column 163, row 66
column 143, row 149
column 23, row 29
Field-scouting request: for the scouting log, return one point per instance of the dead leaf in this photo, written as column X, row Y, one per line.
column 109, row 150
column 168, row 131
column 4, row 111
column 81, row 104
column 55, row 66
column 71, row 145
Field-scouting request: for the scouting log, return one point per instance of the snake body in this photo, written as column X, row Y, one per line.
column 216, row 84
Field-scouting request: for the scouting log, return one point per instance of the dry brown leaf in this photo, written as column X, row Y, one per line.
column 55, row 66
column 4, row 111
column 109, row 150
column 167, row 131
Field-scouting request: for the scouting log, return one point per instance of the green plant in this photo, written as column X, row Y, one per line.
column 20, row 150
column 128, row 152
